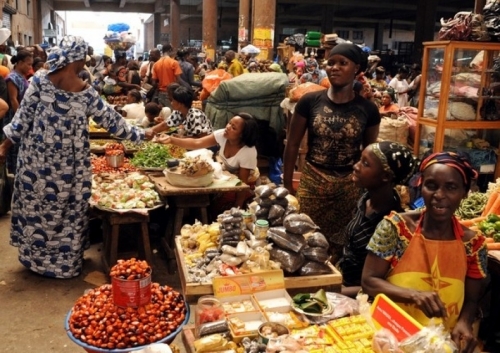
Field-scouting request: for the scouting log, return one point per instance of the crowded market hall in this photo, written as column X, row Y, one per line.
column 307, row 177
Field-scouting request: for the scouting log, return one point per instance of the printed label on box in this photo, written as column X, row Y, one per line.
column 248, row 283
column 387, row 314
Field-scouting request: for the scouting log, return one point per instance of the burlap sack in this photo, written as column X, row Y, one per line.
column 396, row 130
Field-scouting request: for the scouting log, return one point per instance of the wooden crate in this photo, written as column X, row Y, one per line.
column 192, row 291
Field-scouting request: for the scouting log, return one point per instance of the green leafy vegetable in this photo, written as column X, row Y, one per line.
column 151, row 155
column 314, row 304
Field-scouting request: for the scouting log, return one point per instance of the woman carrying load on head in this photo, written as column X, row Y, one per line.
column 339, row 124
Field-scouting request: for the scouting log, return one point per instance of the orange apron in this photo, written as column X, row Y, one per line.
column 433, row 265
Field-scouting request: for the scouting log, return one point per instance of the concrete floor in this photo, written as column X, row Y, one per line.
column 33, row 307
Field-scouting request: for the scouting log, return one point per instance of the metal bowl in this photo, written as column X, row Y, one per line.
column 115, row 161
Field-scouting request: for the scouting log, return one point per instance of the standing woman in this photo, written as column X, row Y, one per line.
column 52, row 187
column 339, row 124
column 401, row 86
column 17, row 84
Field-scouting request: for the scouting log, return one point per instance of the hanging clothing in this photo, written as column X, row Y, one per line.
column 429, row 265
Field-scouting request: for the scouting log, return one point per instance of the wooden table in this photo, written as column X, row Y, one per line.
column 183, row 198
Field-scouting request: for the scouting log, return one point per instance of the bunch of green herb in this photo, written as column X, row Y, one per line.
column 151, row 155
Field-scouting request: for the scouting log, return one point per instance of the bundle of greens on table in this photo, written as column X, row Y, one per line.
column 155, row 155
column 311, row 303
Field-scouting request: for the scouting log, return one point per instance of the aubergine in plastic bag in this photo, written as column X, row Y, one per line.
column 290, row 209
column 286, row 240
column 264, row 202
column 231, row 233
column 232, row 219
column 236, row 212
column 316, row 254
column 277, row 222
column 263, row 191
column 313, row 268
column 280, row 192
column 290, row 261
column 276, row 211
column 282, row 202
column 317, row 240
column 261, row 212
column 299, row 223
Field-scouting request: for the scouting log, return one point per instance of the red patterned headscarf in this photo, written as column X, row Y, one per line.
column 454, row 160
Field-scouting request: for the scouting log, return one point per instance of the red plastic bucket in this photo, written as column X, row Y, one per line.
column 131, row 293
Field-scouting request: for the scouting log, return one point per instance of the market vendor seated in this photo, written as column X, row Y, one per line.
column 192, row 122
column 237, row 153
column 426, row 261
column 116, row 81
column 154, row 114
column 382, row 166
column 388, row 108
column 134, row 109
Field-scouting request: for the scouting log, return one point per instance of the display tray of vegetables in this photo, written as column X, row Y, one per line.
column 123, row 192
column 153, row 156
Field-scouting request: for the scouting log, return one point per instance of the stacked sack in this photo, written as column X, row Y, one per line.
column 274, row 204
column 299, row 247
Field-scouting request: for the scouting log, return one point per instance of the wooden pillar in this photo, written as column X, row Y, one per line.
column 175, row 23
column 210, row 28
column 425, row 27
column 157, row 30
column 243, row 23
column 479, row 5
column 263, row 21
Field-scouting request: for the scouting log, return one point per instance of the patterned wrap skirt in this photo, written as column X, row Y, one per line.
column 330, row 201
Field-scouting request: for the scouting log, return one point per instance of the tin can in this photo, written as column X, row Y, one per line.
column 131, row 293
column 261, row 228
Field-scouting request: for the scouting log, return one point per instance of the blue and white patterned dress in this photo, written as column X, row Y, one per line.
column 53, row 181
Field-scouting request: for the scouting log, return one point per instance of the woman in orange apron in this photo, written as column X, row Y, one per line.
column 426, row 261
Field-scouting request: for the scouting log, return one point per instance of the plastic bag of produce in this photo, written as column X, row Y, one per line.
column 286, row 240
column 313, row 268
column 316, row 254
column 276, row 211
column 318, row 240
column 290, row 261
column 430, row 339
column 299, row 223
column 384, row 341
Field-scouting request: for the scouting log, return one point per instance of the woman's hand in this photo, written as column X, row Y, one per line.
column 162, row 138
column 463, row 337
column 159, row 120
column 148, row 134
column 430, row 304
